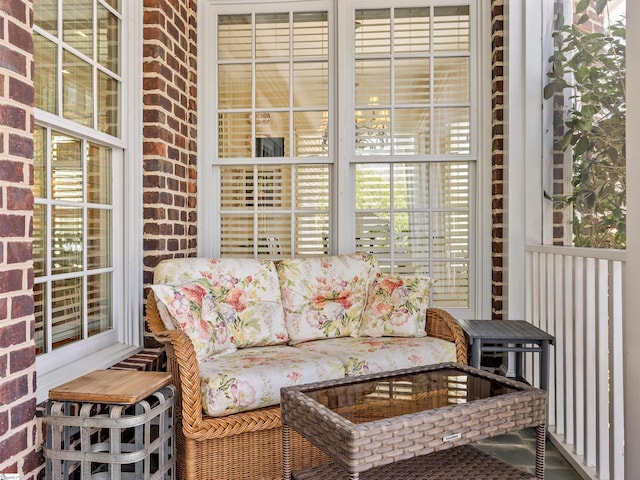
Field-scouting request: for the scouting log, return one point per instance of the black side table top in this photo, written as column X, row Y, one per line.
column 503, row 330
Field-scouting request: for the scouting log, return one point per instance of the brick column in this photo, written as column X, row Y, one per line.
column 18, row 429
column 169, row 130
column 497, row 157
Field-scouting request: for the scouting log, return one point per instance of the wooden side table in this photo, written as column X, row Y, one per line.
column 515, row 336
column 112, row 424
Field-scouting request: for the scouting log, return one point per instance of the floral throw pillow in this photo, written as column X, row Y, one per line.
column 247, row 292
column 396, row 307
column 324, row 297
column 192, row 308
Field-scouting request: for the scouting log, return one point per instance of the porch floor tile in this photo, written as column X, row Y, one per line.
column 519, row 449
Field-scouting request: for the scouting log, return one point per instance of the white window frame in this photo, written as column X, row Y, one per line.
column 343, row 237
column 126, row 337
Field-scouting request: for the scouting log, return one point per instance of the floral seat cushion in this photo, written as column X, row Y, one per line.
column 324, row 297
column 246, row 291
column 373, row 355
column 252, row 377
column 396, row 306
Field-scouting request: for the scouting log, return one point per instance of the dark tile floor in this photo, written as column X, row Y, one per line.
column 519, row 448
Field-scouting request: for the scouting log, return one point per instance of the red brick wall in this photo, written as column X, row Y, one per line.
column 18, row 434
column 497, row 157
column 169, row 130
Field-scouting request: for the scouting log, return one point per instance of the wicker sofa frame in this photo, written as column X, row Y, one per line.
column 246, row 445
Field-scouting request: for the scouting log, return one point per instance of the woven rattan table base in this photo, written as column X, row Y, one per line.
column 460, row 463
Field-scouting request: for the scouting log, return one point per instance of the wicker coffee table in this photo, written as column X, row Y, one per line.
column 369, row 422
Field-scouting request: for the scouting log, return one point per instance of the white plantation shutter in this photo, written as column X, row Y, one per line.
column 272, row 97
column 274, row 211
column 73, row 239
column 413, row 77
column 398, row 183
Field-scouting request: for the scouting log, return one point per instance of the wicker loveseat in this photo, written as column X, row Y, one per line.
column 223, row 445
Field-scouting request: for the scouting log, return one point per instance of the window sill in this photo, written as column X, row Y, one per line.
column 101, row 359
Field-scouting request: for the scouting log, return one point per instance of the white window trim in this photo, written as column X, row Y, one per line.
column 208, row 181
column 112, row 347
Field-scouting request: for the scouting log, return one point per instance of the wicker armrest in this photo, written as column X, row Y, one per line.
column 441, row 324
column 182, row 364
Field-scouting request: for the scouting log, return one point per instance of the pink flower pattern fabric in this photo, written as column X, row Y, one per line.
column 252, row 377
column 396, row 307
column 324, row 297
column 361, row 356
column 192, row 308
column 246, row 291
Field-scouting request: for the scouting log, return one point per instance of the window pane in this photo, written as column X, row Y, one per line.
column 66, row 311
column 373, row 82
column 39, row 240
column 77, row 25
column 451, row 234
column 99, row 231
column 45, row 16
column 372, row 31
column 234, row 135
column 411, row 131
column 234, row 37
column 310, row 34
column 411, row 185
column 108, row 39
column 451, row 29
column 452, row 134
column 99, row 311
column 272, row 85
column 273, row 210
column 77, row 90
column 40, row 314
column 451, row 80
column 66, row 239
column 401, row 214
column 237, row 190
column 45, row 54
column 312, row 84
column 108, row 104
column 312, row 134
column 66, row 168
column 450, row 185
column 234, row 86
column 274, row 187
column 312, row 235
column 411, row 30
column 373, row 233
column 272, row 35
column 99, row 176
column 312, row 187
column 411, row 78
column 274, row 235
column 39, row 162
column 372, row 132
column 411, row 234
column 273, row 125
column 452, row 289
column 236, row 235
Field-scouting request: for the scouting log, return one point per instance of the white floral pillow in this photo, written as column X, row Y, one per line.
column 324, row 297
column 192, row 308
column 396, row 307
column 247, row 292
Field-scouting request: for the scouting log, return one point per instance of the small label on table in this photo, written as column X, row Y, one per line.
column 453, row 437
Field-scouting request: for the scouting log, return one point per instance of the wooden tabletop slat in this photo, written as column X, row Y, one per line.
column 111, row 386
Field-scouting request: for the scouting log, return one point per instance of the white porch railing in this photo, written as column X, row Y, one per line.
column 576, row 295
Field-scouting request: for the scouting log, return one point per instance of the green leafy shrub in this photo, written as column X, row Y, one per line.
column 591, row 65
